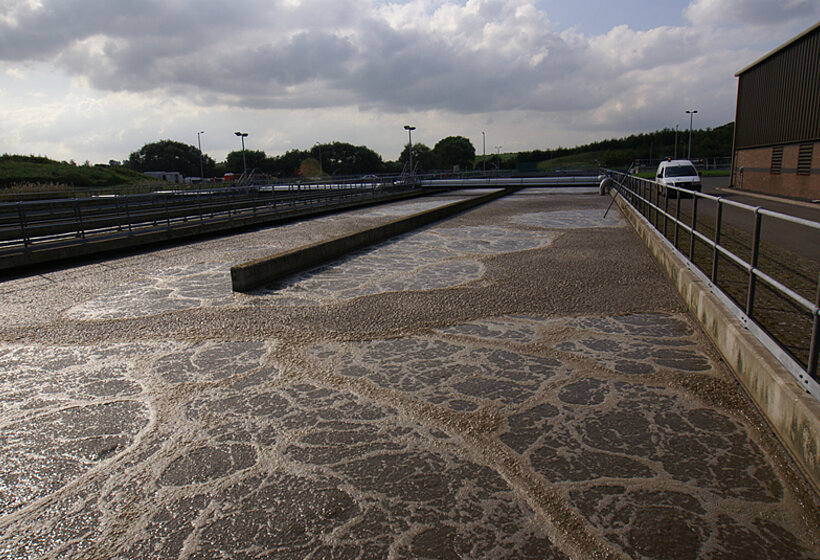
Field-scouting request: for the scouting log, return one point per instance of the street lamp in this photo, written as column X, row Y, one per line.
column 691, row 114
column 244, row 163
column 319, row 146
column 410, row 130
column 199, row 143
column 484, row 152
column 676, row 141
column 498, row 157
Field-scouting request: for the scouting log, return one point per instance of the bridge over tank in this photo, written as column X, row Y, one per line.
column 519, row 381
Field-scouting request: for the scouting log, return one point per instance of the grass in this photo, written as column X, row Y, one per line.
column 35, row 176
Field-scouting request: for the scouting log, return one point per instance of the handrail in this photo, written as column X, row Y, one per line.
column 652, row 201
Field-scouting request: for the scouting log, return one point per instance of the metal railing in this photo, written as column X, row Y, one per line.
column 773, row 290
column 34, row 227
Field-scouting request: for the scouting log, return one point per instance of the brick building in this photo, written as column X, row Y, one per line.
column 777, row 121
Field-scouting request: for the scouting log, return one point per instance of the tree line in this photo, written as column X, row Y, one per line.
column 335, row 159
column 341, row 158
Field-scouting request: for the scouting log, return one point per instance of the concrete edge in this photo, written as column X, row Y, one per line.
column 252, row 274
column 793, row 414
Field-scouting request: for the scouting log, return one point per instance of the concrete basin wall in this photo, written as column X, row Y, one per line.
column 256, row 273
column 793, row 414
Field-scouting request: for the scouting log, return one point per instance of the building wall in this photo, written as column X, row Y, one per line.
column 757, row 175
column 778, row 108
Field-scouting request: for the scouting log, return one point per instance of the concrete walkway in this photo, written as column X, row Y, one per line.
column 517, row 382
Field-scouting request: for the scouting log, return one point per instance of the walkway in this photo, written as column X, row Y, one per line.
column 517, row 382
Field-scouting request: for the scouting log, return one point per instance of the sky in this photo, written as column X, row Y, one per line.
column 94, row 80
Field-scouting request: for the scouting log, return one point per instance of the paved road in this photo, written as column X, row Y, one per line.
column 796, row 239
column 517, row 382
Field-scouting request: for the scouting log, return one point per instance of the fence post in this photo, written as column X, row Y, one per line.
column 815, row 335
column 694, row 224
column 79, row 215
column 716, row 253
column 750, row 296
column 21, row 213
column 677, row 219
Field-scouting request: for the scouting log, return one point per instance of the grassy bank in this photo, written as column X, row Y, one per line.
column 33, row 173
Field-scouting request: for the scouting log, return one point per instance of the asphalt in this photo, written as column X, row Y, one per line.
column 519, row 381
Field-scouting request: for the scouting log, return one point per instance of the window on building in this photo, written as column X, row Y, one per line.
column 777, row 160
column 804, row 159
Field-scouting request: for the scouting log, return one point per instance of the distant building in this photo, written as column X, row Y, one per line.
column 170, row 176
column 777, row 121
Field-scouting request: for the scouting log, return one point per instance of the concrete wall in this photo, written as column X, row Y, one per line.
column 253, row 274
column 793, row 414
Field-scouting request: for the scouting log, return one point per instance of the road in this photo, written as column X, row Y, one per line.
column 497, row 385
column 798, row 240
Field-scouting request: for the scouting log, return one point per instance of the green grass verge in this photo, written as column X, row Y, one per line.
column 33, row 170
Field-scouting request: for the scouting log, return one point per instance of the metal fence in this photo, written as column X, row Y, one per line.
column 775, row 291
column 34, row 227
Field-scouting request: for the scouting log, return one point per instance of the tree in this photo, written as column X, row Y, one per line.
column 341, row 158
column 454, row 151
column 168, row 155
column 255, row 159
column 422, row 156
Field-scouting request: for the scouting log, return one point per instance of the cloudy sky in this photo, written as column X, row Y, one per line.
column 96, row 79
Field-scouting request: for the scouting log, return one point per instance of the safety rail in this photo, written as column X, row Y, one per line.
column 28, row 227
column 775, row 292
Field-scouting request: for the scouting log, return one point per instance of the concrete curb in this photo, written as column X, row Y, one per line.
column 252, row 274
column 793, row 414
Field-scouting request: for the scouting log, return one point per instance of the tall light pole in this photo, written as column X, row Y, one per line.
column 242, row 135
column 319, row 146
column 691, row 114
column 410, row 130
column 498, row 157
column 676, row 141
column 199, row 143
column 484, row 150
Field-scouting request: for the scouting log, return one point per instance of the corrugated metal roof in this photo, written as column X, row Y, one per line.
column 811, row 29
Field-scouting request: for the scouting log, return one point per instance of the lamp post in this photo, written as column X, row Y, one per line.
column 676, row 141
column 498, row 157
column 484, row 152
column 242, row 136
column 199, row 143
column 410, row 130
column 691, row 114
column 319, row 146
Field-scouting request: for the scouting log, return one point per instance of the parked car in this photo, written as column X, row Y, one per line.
column 680, row 173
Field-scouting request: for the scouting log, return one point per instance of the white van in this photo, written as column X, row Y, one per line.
column 680, row 173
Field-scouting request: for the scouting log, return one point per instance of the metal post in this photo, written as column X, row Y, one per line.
column 199, row 143
column 814, row 349
column 79, row 215
column 128, row 216
column 410, row 130
column 242, row 136
column 716, row 253
column 22, row 216
column 677, row 220
column 676, row 141
column 691, row 114
column 750, row 296
column 484, row 152
column 694, row 224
